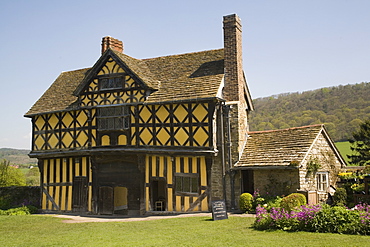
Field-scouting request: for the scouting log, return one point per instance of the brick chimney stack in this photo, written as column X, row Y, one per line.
column 234, row 77
column 114, row 44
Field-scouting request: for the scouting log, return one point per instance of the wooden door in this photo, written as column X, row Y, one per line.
column 79, row 194
column 106, row 203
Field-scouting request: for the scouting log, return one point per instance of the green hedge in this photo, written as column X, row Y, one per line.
column 17, row 196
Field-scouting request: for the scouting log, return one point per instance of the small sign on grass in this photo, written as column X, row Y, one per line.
column 219, row 210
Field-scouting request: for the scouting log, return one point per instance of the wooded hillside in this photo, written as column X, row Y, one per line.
column 340, row 108
column 16, row 156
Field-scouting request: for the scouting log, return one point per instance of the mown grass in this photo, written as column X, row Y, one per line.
column 36, row 230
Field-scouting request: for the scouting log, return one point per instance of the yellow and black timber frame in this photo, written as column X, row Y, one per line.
column 132, row 136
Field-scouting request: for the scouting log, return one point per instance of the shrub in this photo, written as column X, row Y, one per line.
column 24, row 210
column 274, row 202
column 10, row 176
column 337, row 219
column 263, row 219
column 340, row 197
column 293, row 201
column 246, row 202
column 5, row 202
column 17, row 196
column 279, row 218
column 268, row 201
column 316, row 218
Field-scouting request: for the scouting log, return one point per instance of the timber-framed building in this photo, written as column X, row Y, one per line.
column 135, row 136
column 131, row 136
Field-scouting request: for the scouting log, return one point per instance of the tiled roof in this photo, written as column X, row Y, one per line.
column 278, row 147
column 139, row 68
column 179, row 77
column 59, row 95
column 187, row 76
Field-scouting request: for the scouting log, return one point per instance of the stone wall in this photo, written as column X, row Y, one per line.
column 217, row 188
column 322, row 153
column 276, row 181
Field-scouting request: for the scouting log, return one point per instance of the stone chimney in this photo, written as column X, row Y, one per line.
column 112, row 43
column 235, row 85
column 234, row 78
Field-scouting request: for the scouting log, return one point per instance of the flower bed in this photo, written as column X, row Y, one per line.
column 315, row 218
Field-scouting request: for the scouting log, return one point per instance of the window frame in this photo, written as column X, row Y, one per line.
column 119, row 85
column 191, row 185
column 322, row 184
column 111, row 119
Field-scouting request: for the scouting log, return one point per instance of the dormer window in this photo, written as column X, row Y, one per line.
column 112, row 82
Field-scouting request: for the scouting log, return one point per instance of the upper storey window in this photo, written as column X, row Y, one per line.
column 113, row 118
column 108, row 83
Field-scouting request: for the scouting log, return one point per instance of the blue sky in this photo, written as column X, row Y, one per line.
column 288, row 46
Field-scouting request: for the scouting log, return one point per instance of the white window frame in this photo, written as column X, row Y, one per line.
column 322, row 181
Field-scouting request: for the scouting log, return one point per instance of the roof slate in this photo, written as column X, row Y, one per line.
column 187, row 76
column 278, row 147
column 59, row 96
column 178, row 77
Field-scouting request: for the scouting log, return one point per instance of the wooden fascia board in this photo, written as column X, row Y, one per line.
column 121, row 151
column 248, row 94
column 50, row 112
column 264, row 167
column 92, row 73
column 197, row 100
column 130, row 72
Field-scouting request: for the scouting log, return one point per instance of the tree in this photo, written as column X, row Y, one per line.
column 10, row 176
column 360, row 145
column 33, row 177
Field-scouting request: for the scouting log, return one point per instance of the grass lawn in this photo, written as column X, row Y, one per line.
column 36, row 230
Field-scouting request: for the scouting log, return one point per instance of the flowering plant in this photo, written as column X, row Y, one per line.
column 315, row 218
column 279, row 218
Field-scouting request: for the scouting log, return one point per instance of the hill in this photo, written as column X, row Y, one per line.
column 340, row 108
column 16, row 156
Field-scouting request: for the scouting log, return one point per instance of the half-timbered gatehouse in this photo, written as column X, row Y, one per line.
column 130, row 136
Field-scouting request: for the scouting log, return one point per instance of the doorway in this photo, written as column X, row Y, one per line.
column 113, row 200
column 158, row 194
column 247, row 181
column 120, row 200
column 79, row 194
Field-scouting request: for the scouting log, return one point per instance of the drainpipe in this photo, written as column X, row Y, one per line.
column 222, row 141
column 229, row 161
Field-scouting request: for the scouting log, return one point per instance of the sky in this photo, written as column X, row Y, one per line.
column 288, row 45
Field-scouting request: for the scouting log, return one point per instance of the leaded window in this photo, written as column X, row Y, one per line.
column 187, row 183
column 107, row 83
column 113, row 118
